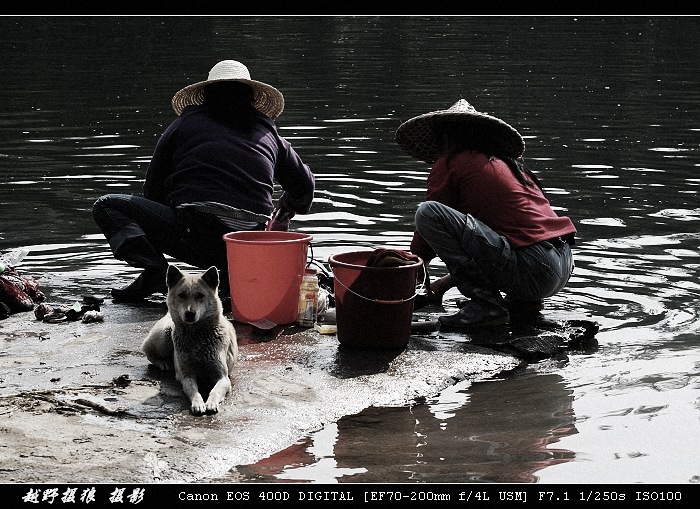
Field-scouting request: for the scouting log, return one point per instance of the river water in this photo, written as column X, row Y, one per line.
column 610, row 111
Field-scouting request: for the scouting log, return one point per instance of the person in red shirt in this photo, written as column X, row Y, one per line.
column 485, row 216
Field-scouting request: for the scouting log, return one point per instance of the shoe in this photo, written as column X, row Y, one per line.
column 475, row 314
column 149, row 282
column 524, row 310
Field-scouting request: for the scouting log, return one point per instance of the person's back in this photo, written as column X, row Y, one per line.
column 213, row 171
column 487, row 188
column 485, row 215
column 200, row 159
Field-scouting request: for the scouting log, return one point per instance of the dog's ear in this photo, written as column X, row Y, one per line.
column 173, row 276
column 211, row 277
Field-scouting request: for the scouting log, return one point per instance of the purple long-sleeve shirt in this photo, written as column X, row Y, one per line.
column 198, row 159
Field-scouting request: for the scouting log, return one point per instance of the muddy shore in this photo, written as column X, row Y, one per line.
column 80, row 403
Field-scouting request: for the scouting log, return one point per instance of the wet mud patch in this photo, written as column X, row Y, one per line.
column 86, row 406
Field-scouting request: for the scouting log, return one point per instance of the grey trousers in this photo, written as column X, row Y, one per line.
column 483, row 263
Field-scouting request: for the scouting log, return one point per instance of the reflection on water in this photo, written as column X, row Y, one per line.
column 468, row 433
column 609, row 109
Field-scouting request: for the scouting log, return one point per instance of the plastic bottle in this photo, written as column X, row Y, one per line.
column 308, row 299
column 12, row 258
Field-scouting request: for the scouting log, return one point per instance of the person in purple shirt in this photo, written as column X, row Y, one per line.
column 213, row 171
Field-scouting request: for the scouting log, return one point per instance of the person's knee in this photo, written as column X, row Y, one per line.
column 99, row 203
column 106, row 210
column 99, row 207
column 104, row 202
column 425, row 214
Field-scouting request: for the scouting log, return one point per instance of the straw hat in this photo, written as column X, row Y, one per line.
column 419, row 136
column 268, row 100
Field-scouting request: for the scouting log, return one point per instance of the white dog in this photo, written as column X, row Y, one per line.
column 195, row 339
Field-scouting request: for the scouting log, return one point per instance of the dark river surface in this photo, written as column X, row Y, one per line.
column 610, row 111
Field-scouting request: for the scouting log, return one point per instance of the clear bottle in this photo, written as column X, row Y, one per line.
column 308, row 299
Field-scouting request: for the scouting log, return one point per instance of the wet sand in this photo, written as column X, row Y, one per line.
column 79, row 402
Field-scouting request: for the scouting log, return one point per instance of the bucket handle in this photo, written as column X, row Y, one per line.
column 382, row 301
column 311, row 260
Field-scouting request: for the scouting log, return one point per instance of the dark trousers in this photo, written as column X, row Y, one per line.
column 189, row 236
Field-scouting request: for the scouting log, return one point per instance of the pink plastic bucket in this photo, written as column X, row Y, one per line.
column 265, row 271
column 373, row 305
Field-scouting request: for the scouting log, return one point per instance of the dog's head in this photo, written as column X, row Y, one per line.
column 193, row 297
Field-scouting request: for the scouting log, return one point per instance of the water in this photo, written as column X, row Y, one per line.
column 609, row 109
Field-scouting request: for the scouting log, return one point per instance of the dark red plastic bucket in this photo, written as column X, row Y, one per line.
column 374, row 305
column 265, row 270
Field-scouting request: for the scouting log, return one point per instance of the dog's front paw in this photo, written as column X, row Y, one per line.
column 198, row 407
column 212, row 407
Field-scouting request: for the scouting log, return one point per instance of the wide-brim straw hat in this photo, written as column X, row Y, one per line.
column 267, row 99
column 419, row 136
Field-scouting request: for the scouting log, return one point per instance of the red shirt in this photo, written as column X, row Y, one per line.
column 487, row 189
